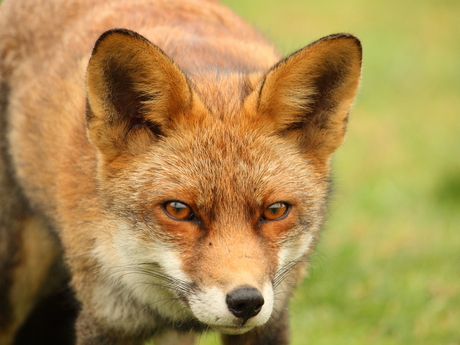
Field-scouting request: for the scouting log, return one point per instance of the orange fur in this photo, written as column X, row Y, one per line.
column 193, row 105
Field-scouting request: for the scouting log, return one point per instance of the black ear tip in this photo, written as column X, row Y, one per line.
column 111, row 32
column 340, row 35
column 344, row 35
column 355, row 39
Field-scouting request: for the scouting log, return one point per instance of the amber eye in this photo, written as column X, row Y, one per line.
column 276, row 211
column 178, row 210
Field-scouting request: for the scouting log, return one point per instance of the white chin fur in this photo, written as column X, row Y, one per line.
column 209, row 306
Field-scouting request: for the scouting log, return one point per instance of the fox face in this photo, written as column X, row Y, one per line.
column 215, row 214
column 215, row 201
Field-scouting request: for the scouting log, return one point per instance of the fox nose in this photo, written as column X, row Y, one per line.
column 245, row 302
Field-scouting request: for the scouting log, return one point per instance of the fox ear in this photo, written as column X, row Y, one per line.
column 308, row 95
column 133, row 91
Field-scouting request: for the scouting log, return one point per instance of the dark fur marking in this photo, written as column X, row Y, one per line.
column 324, row 103
column 52, row 321
column 11, row 205
column 127, row 101
column 246, row 88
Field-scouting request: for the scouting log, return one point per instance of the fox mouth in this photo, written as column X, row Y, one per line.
column 232, row 329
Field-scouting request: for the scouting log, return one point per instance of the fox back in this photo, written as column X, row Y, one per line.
column 167, row 154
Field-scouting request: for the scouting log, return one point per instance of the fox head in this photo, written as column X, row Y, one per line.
column 216, row 184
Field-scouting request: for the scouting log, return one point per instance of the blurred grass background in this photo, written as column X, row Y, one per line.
column 387, row 270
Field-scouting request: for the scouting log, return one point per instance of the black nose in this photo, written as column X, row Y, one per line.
column 245, row 302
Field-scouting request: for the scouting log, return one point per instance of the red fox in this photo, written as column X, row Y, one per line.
column 161, row 159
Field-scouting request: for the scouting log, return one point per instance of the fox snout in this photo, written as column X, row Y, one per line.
column 236, row 311
column 245, row 302
column 233, row 289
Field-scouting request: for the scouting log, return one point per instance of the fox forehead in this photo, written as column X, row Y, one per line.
column 219, row 165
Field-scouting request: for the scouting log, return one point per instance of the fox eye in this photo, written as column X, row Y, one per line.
column 276, row 211
column 178, row 210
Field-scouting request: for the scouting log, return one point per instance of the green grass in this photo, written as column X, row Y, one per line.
column 387, row 270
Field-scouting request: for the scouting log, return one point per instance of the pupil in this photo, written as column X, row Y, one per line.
column 276, row 208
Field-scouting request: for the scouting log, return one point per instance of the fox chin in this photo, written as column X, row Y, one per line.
column 163, row 170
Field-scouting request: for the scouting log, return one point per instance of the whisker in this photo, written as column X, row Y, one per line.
column 154, row 278
column 148, row 269
column 285, row 271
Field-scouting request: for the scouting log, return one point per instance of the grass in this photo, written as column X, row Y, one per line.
column 387, row 270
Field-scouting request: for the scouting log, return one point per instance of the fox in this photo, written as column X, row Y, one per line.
column 164, row 171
